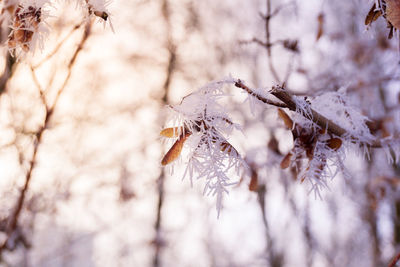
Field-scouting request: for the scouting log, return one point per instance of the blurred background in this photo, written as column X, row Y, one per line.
column 81, row 180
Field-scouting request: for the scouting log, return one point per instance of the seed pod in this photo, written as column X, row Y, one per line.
column 175, row 150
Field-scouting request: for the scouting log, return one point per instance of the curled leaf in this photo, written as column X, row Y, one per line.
column 286, row 119
column 175, row 150
column 334, row 143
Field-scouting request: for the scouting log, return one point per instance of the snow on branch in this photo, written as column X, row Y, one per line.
column 321, row 126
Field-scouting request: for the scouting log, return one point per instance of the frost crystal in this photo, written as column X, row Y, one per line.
column 322, row 152
column 337, row 108
column 206, row 124
column 322, row 127
column 27, row 25
column 27, row 21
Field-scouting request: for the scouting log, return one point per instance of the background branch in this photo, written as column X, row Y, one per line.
column 12, row 222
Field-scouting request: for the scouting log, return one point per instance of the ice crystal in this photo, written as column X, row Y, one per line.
column 27, row 27
column 317, row 154
column 336, row 106
column 27, row 21
column 210, row 155
column 202, row 125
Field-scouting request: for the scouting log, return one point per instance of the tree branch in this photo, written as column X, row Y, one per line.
column 241, row 85
column 12, row 222
column 319, row 119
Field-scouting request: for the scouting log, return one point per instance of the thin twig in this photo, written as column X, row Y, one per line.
column 12, row 222
column 170, row 69
column 394, row 260
column 52, row 53
column 40, row 88
column 267, row 18
column 241, row 85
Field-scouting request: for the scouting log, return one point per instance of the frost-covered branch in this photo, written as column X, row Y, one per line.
column 319, row 119
column 241, row 85
column 321, row 126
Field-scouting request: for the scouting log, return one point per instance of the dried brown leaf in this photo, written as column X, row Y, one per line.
column 310, row 151
column 285, row 163
column 175, row 150
column 172, row 132
column 320, row 32
column 334, row 143
column 372, row 15
column 253, row 186
column 286, row 119
column 274, row 145
column 228, row 148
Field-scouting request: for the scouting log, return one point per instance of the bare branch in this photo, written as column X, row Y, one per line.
column 267, row 18
column 12, row 222
column 241, row 85
column 58, row 46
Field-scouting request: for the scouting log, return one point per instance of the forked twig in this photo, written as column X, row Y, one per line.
column 12, row 222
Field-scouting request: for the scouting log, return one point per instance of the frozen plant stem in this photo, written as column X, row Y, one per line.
column 288, row 102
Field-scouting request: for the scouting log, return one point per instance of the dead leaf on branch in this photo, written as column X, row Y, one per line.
column 172, row 132
column 285, row 163
column 320, row 32
column 391, row 13
column 286, row 119
column 183, row 133
column 228, row 148
column 372, row 15
column 175, row 150
column 334, row 143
